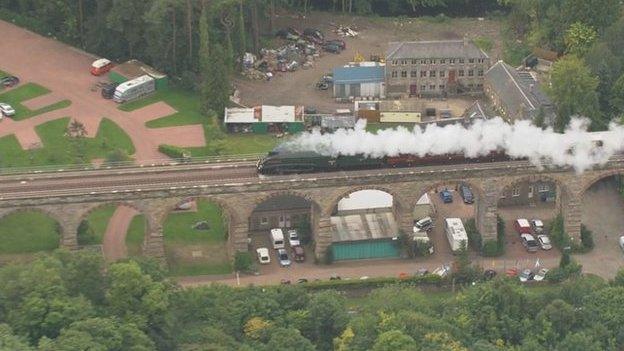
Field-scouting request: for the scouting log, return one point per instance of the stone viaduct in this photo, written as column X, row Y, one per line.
column 238, row 200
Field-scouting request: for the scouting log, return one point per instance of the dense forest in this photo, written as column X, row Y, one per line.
column 72, row 301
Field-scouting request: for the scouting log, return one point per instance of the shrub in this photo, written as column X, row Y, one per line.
column 485, row 44
column 427, row 279
column 491, row 248
column 559, row 274
column 474, row 237
column 243, row 261
column 86, row 235
column 304, row 231
column 117, row 156
column 587, row 238
column 557, row 234
column 174, row 151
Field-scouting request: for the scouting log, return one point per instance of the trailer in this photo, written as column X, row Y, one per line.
column 134, row 89
column 456, row 234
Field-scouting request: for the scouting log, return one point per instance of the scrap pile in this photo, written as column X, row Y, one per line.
column 300, row 52
column 345, row 31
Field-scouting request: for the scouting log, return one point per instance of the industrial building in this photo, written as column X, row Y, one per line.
column 134, row 69
column 264, row 119
column 435, row 68
column 359, row 80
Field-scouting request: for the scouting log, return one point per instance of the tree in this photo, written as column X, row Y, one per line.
column 574, row 92
column 618, row 280
column 286, row 339
column 394, row 340
column 327, row 318
column 579, row 38
column 118, row 156
column 11, row 342
column 425, row 3
column 579, row 342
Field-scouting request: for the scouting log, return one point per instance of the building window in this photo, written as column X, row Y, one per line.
column 423, row 61
column 413, row 74
column 451, row 60
column 404, row 62
column 423, row 73
column 423, row 87
column 515, row 192
column 442, row 74
column 461, row 72
column 481, row 60
column 433, row 61
column 441, row 86
column 503, row 195
column 432, row 73
column 543, row 187
column 432, row 87
column 480, row 73
column 470, row 86
column 395, row 62
column 461, row 60
column 471, row 60
column 442, row 61
column 414, row 62
column 403, row 74
column 470, row 72
column 264, row 220
column 395, row 74
column 479, row 85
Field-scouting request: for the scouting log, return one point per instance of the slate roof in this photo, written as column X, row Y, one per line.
column 361, row 74
column 434, row 49
column 283, row 202
column 516, row 89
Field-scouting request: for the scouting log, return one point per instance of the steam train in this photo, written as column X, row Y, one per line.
column 288, row 162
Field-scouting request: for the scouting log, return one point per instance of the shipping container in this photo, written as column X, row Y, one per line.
column 365, row 249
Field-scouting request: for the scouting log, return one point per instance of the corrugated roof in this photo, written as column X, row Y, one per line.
column 434, row 49
column 517, row 90
column 359, row 74
column 239, row 115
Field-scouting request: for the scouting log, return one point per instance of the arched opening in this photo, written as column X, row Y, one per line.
column 25, row 232
column 527, row 207
column 450, row 202
column 602, row 216
column 118, row 227
column 283, row 222
column 195, row 234
column 365, row 225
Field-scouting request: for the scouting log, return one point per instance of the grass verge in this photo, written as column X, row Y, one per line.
column 135, row 236
column 191, row 251
column 59, row 149
column 98, row 220
column 28, row 232
column 17, row 95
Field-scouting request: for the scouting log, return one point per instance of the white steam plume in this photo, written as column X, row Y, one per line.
column 574, row 148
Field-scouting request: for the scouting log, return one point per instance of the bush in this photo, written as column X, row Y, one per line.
column 243, row 261
column 485, row 44
column 86, row 235
column 117, row 156
column 559, row 274
column 304, row 231
column 427, row 279
column 474, row 237
column 587, row 238
column 557, row 234
column 491, row 248
column 174, row 151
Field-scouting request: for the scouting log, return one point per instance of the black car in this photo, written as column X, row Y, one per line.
column 466, row 194
column 109, row 90
column 9, row 81
column 333, row 48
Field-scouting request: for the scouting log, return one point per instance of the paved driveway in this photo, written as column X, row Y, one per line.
column 65, row 71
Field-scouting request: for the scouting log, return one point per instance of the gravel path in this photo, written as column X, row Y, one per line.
column 114, row 241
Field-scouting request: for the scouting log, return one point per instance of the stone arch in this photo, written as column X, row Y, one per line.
column 99, row 205
column 563, row 191
column 590, row 181
column 399, row 202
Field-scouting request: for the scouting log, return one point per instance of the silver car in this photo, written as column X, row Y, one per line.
column 283, row 258
column 544, row 242
column 6, row 109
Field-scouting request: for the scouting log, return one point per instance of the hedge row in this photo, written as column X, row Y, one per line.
column 174, row 151
column 428, row 279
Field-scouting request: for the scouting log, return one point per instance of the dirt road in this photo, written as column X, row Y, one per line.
column 114, row 241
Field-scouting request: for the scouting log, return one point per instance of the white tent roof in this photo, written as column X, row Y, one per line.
column 278, row 114
column 365, row 199
column 239, row 115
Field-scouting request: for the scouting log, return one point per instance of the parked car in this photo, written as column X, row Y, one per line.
column 526, row 275
column 333, row 48
column 298, row 254
column 538, row 226
column 7, row 110
column 522, row 226
column 466, row 194
column 283, row 258
column 334, row 277
column 263, row 255
column 423, row 224
column 544, row 242
column 442, row 271
column 109, row 90
column 446, row 196
column 293, row 238
column 421, row 272
column 302, row 280
column 9, row 81
column 313, row 32
column 529, row 242
column 341, row 43
column 541, row 275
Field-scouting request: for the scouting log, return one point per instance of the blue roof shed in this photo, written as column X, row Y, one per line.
column 359, row 74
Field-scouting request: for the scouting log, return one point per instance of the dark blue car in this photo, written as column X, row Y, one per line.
column 466, row 194
column 446, row 196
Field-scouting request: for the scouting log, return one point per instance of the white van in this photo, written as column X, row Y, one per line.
column 277, row 238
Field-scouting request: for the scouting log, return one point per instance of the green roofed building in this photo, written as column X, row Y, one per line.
column 133, row 69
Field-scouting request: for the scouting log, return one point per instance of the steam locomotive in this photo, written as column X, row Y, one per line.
column 297, row 162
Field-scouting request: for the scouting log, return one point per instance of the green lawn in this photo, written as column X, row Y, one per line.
column 28, row 232
column 135, row 236
column 15, row 96
column 374, row 127
column 188, row 106
column 182, row 242
column 58, row 149
column 98, row 220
